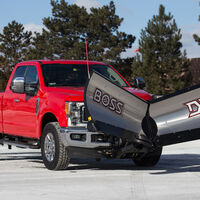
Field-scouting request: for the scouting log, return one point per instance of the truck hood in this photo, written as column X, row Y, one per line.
column 140, row 93
column 78, row 92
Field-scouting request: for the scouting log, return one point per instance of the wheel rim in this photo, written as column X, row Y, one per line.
column 49, row 147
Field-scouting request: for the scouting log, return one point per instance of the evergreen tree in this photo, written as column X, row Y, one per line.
column 196, row 37
column 65, row 32
column 14, row 45
column 160, row 61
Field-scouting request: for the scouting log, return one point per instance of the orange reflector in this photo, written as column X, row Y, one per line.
column 67, row 108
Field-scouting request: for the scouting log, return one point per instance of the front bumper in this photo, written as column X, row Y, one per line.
column 68, row 141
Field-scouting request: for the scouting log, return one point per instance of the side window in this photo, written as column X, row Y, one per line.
column 31, row 81
column 31, row 76
column 20, row 71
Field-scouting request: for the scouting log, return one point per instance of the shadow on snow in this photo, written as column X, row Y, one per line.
column 169, row 163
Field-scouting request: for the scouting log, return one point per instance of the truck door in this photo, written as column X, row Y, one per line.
column 20, row 109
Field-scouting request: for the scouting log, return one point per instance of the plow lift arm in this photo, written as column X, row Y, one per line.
column 149, row 125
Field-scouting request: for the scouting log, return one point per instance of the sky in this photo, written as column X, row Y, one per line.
column 136, row 14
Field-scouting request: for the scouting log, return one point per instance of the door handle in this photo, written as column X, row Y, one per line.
column 16, row 100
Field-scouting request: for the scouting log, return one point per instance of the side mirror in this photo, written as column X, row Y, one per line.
column 139, row 83
column 18, row 85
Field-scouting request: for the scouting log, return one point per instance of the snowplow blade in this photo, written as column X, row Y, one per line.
column 177, row 116
column 115, row 111
column 168, row 120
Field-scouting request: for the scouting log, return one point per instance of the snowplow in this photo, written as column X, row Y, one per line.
column 141, row 127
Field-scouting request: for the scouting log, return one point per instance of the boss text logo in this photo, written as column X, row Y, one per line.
column 105, row 99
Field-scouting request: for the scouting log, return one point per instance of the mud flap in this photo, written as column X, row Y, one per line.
column 117, row 112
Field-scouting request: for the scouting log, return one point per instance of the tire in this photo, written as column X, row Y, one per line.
column 54, row 153
column 150, row 159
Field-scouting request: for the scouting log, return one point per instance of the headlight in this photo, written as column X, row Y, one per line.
column 75, row 112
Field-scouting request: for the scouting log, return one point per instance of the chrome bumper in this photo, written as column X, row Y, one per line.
column 87, row 143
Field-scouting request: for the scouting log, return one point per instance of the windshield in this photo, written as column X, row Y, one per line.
column 76, row 74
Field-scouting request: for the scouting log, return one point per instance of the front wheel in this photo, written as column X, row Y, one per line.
column 150, row 159
column 54, row 153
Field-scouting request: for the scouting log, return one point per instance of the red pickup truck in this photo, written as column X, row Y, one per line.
column 43, row 107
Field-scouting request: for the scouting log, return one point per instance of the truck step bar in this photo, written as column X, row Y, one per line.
column 167, row 120
column 20, row 142
column 21, row 145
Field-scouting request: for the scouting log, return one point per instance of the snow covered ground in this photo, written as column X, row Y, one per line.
column 177, row 176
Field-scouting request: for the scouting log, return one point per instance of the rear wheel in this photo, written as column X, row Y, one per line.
column 54, row 153
column 150, row 159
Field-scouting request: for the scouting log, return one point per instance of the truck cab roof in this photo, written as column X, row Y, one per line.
column 63, row 62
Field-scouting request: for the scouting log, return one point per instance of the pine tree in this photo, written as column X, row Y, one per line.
column 14, row 46
column 160, row 60
column 196, row 37
column 65, row 32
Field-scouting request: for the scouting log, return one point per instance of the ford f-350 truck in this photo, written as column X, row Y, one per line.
column 43, row 107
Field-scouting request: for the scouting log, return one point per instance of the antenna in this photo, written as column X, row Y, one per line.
column 88, row 67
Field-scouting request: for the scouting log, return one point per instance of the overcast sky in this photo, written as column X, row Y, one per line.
column 136, row 14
